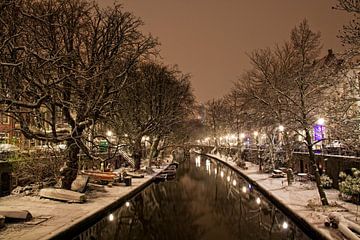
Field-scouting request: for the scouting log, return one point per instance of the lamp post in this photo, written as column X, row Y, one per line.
column 109, row 134
column 256, row 136
column 281, row 131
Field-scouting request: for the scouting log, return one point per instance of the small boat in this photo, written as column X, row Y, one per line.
column 134, row 175
column 106, row 176
column 169, row 171
column 174, row 164
column 160, row 178
column 277, row 174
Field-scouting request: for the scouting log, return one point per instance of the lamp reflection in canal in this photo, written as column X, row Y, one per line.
column 234, row 209
column 197, row 161
column 228, row 178
column 207, row 165
column 285, row 225
column 234, row 182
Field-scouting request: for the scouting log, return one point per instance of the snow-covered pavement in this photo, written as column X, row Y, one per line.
column 61, row 215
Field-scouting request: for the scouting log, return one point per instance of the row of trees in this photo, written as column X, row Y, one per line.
column 72, row 62
column 291, row 85
column 156, row 104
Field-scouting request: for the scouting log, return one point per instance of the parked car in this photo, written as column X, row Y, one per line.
column 61, row 147
column 50, row 147
column 336, row 144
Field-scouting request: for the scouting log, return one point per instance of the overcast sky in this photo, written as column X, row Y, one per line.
column 210, row 38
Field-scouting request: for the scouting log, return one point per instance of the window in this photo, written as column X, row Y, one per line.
column 4, row 137
column 4, row 119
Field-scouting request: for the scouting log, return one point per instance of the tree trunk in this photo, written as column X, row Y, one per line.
column 272, row 152
column 288, row 152
column 154, row 150
column 315, row 167
column 137, row 153
column 70, row 169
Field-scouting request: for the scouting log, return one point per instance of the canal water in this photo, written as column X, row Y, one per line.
column 206, row 201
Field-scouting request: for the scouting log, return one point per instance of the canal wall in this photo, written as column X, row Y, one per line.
column 312, row 231
column 330, row 165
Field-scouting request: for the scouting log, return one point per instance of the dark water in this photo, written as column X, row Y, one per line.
column 206, row 201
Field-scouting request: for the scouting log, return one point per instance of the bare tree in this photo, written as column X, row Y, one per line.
column 292, row 84
column 264, row 107
column 343, row 108
column 350, row 33
column 70, row 59
column 215, row 118
column 158, row 99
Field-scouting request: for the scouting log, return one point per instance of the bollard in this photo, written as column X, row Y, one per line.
column 127, row 181
column 290, row 176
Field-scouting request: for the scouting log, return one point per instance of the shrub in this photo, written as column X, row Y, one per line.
column 34, row 168
column 326, row 181
column 350, row 185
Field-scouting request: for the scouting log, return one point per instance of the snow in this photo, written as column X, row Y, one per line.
column 300, row 197
column 63, row 215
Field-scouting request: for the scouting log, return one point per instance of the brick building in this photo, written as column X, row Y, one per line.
column 7, row 132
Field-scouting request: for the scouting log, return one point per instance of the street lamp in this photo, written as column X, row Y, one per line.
column 321, row 121
column 242, row 135
column 281, row 128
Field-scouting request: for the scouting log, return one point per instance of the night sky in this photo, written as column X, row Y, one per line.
column 210, row 38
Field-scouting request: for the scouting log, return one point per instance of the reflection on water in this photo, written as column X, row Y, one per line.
column 206, row 201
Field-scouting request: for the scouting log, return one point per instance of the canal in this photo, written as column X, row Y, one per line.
column 206, row 201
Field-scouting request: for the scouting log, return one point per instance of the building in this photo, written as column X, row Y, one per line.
column 7, row 130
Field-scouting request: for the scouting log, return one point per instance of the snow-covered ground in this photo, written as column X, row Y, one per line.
column 61, row 215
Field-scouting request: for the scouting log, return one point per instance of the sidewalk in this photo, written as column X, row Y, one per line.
column 303, row 198
column 61, row 215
